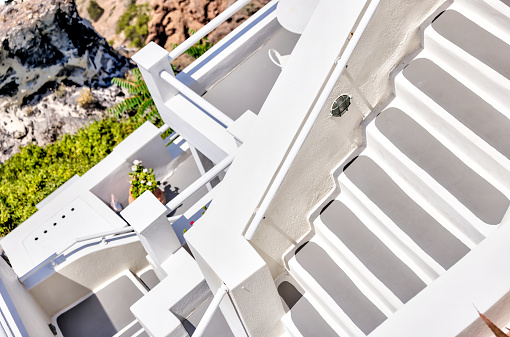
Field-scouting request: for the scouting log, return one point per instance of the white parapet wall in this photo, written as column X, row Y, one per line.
column 19, row 311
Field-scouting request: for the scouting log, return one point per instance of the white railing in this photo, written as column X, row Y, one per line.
column 211, row 309
column 209, row 27
column 200, row 182
column 341, row 64
column 50, row 260
column 210, row 109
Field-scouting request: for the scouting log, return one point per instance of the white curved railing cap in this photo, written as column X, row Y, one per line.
column 294, row 15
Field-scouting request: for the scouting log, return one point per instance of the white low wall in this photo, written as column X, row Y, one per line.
column 33, row 319
column 77, row 277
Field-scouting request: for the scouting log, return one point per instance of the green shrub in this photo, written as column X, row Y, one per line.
column 199, row 48
column 140, row 103
column 134, row 23
column 95, row 11
column 32, row 174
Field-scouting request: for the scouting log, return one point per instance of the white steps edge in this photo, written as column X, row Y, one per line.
column 424, row 266
column 481, row 79
column 464, row 143
column 492, row 15
column 425, row 190
column 289, row 326
column 375, row 290
column 323, row 303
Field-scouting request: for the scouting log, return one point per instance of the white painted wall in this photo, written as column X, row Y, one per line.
column 390, row 36
column 79, row 276
column 248, row 85
column 34, row 319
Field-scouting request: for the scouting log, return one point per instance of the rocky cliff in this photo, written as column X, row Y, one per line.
column 172, row 20
column 43, row 42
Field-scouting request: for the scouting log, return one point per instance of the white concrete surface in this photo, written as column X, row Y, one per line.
column 19, row 310
column 147, row 215
column 176, row 296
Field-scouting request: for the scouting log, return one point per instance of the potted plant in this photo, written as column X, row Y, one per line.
column 143, row 179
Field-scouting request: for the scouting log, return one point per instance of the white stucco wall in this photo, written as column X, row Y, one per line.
column 35, row 320
column 79, row 277
column 390, row 36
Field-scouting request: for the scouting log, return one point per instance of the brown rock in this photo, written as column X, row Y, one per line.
column 172, row 20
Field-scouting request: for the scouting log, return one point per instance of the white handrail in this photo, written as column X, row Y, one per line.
column 163, row 128
column 339, row 68
column 196, row 98
column 71, row 244
column 211, row 309
column 190, row 41
column 170, row 138
column 200, row 182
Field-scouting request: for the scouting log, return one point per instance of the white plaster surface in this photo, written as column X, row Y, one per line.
column 178, row 294
column 391, row 35
column 77, row 277
column 35, row 320
column 147, row 215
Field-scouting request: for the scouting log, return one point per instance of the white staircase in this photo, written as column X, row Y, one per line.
column 431, row 184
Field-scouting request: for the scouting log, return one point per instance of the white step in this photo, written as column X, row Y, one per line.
column 427, row 192
column 463, row 142
column 388, row 232
column 479, row 77
column 492, row 15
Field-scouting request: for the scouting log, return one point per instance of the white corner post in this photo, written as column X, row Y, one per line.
column 180, row 112
column 253, row 306
column 147, row 216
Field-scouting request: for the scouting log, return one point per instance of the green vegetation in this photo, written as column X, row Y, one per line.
column 199, row 48
column 134, row 23
column 95, row 11
column 32, row 174
column 140, row 103
column 142, row 179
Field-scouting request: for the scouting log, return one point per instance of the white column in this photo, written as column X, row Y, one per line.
column 147, row 216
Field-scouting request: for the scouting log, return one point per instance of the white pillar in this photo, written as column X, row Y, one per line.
column 189, row 121
column 147, row 216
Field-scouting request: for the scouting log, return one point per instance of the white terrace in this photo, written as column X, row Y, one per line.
column 391, row 220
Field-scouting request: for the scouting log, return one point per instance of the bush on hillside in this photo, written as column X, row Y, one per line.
column 32, row 174
column 95, row 11
column 135, row 24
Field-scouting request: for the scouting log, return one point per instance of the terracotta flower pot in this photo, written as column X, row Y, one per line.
column 158, row 193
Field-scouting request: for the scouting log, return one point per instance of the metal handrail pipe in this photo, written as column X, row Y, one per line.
column 211, row 309
column 71, row 244
column 97, row 236
column 190, row 41
column 200, row 182
column 210, row 109
column 335, row 75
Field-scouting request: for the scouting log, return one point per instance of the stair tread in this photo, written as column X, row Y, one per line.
column 340, row 287
column 372, row 252
column 475, row 40
column 431, row 236
column 483, row 199
column 303, row 314
column 472, row 111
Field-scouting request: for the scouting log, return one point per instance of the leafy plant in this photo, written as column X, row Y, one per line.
column 142, row 179
column 95, row 11
column 140, row 102
column 199, row 48
column 32, row 174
